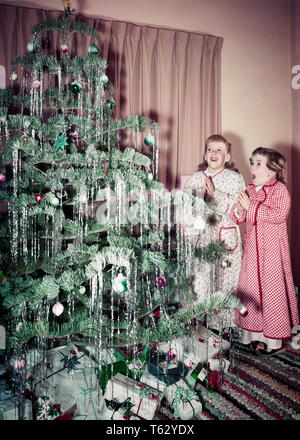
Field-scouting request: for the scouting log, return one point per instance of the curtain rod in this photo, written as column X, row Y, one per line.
column 95, row 17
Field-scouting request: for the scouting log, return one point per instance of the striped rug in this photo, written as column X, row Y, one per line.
column 257, row 387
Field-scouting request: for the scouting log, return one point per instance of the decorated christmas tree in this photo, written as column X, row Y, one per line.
column 92, row 245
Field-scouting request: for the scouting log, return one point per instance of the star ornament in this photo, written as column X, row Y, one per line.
column 60, row 141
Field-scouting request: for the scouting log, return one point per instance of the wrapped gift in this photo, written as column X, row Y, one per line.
column 166, row 370
column 185, row 402
column 9, row 409
column 144, row 400
column 202, row 345
column 219, row 364
column 132, row 367
column 202, row 374
column 70, row 374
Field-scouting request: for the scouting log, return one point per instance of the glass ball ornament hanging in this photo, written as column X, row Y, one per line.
column 75, row 135
column 54, row 201
column 103, row 79
column 32, row 47
column 110, row 103
column 19, row 363
column 199, row 223
column 25, row 139
column 161, row 281
column 57, row 309
column 82, row 290
column 36, row 84
column 64, row 49
column 76, row 87
column 119, row 284
column 2, row 178
column 39, row 197
column 13, row 76
column 93, row 49
column 149, row 140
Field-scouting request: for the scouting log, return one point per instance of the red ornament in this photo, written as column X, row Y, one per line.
column 20, row 364
column 64, row 48
column 2, row 178
column 39, row 197
column 157, row 314
column 161, row 281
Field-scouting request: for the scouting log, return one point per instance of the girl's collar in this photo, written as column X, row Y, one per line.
column 209, row 173
column 270, row 182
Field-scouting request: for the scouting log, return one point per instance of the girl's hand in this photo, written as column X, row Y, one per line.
column 240, row 210
column 209, row 186
column 243, row 200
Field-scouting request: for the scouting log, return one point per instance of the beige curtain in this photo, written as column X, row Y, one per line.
column 170, row 76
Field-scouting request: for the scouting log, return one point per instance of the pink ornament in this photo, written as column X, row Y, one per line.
column 171, row 355
column 57, row 309
column 2, row 178
column 36, row 84
column 64, row 48
column 161, row 281
column 75, row 135
column 20, row 364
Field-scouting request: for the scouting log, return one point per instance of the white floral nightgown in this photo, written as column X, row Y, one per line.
column 223, row 275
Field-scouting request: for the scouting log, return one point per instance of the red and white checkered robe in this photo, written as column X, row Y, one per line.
column 266, row 285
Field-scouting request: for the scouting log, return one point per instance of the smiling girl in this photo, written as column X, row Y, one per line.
column 219, row 183
column 266, row 287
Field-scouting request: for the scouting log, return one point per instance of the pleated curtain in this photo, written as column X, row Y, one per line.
column 168, row 75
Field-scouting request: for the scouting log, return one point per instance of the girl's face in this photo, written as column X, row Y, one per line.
column 260, row 173
column 216, row 156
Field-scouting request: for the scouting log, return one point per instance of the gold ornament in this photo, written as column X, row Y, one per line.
column 25, row 139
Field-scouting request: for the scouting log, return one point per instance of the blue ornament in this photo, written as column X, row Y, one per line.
column 110, row 103
column 149, row 140
column 93, row 49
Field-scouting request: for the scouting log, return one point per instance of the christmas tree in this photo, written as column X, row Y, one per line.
column 92, row 249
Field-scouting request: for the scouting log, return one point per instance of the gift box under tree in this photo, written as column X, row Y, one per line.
column 144, row 399
column 185, row 402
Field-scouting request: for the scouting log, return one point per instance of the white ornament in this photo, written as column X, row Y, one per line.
column 57, row 309
column 119, row 284
column 244, row 311
column 13, row 76
column 54, row 201
column 199, row 223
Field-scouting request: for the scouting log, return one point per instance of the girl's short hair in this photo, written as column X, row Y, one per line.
column 218, row 138
column 275, row 162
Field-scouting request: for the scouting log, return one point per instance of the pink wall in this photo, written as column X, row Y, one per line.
column 295, row 174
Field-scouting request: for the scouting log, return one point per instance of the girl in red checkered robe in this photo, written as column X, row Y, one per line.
column 265, row 287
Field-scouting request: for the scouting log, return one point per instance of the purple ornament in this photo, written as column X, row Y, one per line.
column 75, row 135
column 161, row 281
column 2, row 178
